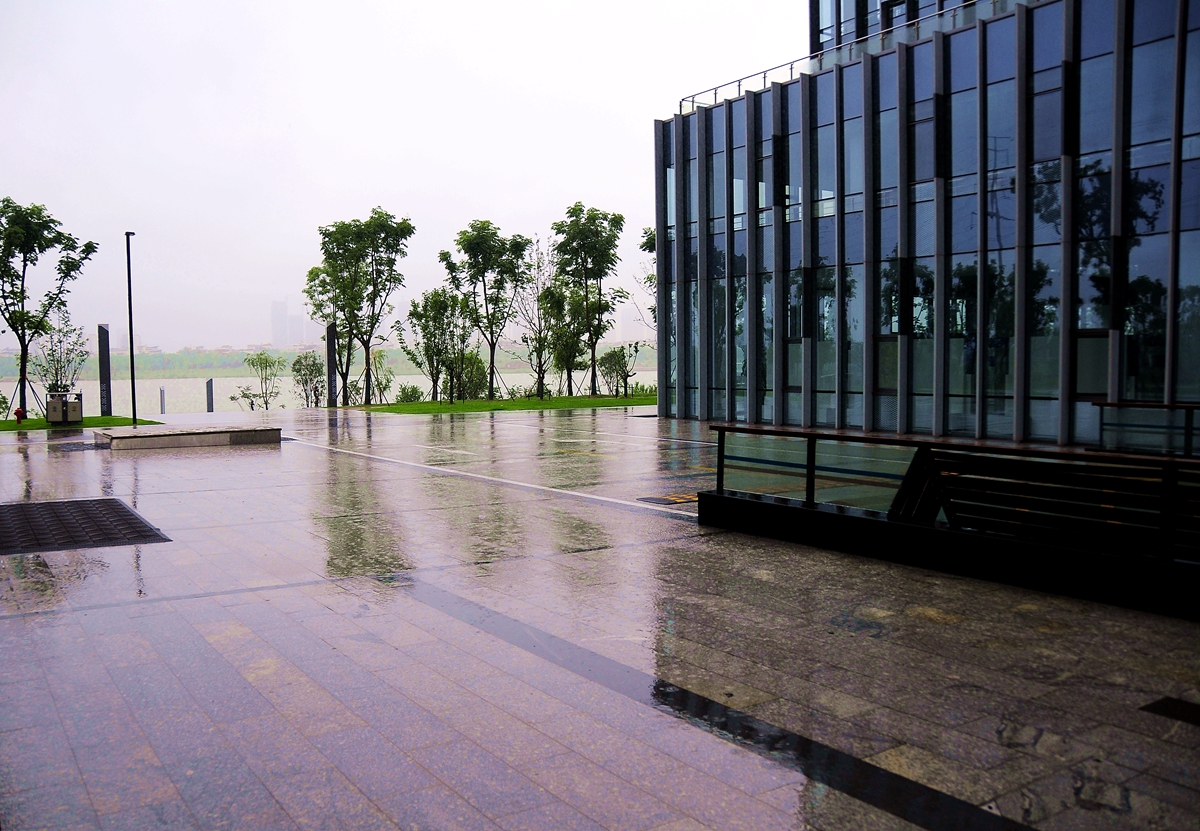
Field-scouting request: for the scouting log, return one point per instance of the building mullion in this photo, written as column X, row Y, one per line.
column 941, row 247
column 681, row 230
column 1023, row 231
column 1172, row 368
column 1120, row 165
column 779, row 258
column 660, row 257
column 730, row 343
column 1067, row 166
column 753, row 302
column 808, row 231
column 982, row 239
column 905, row 247
column 870, row 235
column 841, row 324
column 703, row 333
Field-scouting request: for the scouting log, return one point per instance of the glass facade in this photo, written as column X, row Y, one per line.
column 969, row 219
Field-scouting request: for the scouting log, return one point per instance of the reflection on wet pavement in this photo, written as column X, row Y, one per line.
column 512, row 621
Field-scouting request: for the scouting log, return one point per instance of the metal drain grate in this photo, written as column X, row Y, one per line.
column 78, row 523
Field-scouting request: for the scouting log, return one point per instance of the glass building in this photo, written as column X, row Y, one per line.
column 971, row 220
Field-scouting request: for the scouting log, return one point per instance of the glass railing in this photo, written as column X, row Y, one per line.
column 919, row 29
column 1136, row 427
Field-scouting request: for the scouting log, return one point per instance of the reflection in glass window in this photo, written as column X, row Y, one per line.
column 1047, row 31
column 827, row 240
column 924, row 147
column 1001, row 49
column 852, row 246
column 824, row 103
column 739, row 180
column 766, row 345
column 1002, row 214
column 826, row 334
column 1151, row 100
column 1093, row 298
column 716, row 256
column 964, row 61
column 1145, row 341
column 737, row 122
column 1047, row 126
column 885, row 81
column 1188, row 386
column 887, row 140
column 1000, row 356
column 716, row 185
column 961, row 322
column 717, row 355
column 1191, row 85
column 852, row 155
column 1096, row 23
column 921, row 71
column 795, row 169
column 888, row 292
column 964, row 226
column 852, row 91
column 1152, row 19
column 739, row 333
column 854, row 326
column 739, row 253
column 1146, row 196
column 1001, row 124
column 889, row 232
column 1189, row 195
column 1045, row 193
column 1045, row 294
column 826, row 162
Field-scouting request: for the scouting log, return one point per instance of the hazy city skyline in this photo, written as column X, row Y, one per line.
column 225, row 134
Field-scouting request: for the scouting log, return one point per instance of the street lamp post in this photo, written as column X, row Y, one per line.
column 129, row 276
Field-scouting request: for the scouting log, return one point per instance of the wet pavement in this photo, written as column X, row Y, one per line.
column 478, row 621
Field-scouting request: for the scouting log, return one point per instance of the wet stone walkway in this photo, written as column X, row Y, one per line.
column 477, row 622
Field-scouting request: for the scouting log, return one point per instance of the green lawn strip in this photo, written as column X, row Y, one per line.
column 485, row 406
column 88, row 421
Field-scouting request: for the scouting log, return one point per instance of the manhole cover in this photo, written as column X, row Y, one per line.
column 77, row 523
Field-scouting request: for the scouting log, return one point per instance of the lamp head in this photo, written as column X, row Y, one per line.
column 129, row 233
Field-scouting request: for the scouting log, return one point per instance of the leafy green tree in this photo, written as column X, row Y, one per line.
column 355, row 283
column 587, row 253
column 566, row 315
column 26, row 234
column 617, row 367
column 63, row 353
column 308, row 374
column 267, row 368
column 382, row 375
column 649, row 279
column 431, row 321
column 490, row 274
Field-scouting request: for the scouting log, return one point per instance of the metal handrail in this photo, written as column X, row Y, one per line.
column 853, row 50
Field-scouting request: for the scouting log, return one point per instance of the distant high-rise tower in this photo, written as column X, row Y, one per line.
column 279, row 323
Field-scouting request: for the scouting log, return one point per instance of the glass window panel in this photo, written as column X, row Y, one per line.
column 1188, row 386
column 827, row 240
column 1091, row 366
column 1145, row 341
column 852, row 91
column 1095, row 104
column 1047, row 79
column 852, row 155
column 1147, row 194
column 964, row 132
column 1047, row 211
column 885, row 81
column 737, row 122
column 690, row 137
column 961, row 321
column 1047, row 36
column 921, row 71
column 1002, row 218
column 1047, row 126
column 889, row 297
column 887, row 367
column 766, row 339
column 855, row 324
column 853, row 247
column 922, row 298
column 716, row 256
column 1152, row 19
column 964, row 227
column 1045, row 294
column 739, row 253
column 766, row 248
column 1151, row 99
column 1093, row 300
column 691, row 365
column 1189, row 195
column 739, row 180
column 669, row 321
column 889, row 232
column 691, row 261
column 923, row 151
column 717, row 369
column 826, row 166
column 1001, row 49
column 716, row 129
column 765, row 168
column 1096, row 26
column 762, row 107
column 693, row 190
column 887, row 141
column 924, row 229
column 824, row 103
column 795, row 289
column 670, row 197
column 1193, row 15
column 1001, row 124
column 1191, row 85
column 1093, row 203
column 716, row 185
column 1000, row 356
column 826, row 333
column 795, row 243
column 964, row 61
column 795, row 168
column 793, row 118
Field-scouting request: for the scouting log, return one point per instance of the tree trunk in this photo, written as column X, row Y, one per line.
column 23, row 373
column 491, row 371
column 346, row 373
column 595, row 387
column 570, row 389
column 367, row 391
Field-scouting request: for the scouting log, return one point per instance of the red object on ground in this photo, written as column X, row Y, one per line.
column 20, row 414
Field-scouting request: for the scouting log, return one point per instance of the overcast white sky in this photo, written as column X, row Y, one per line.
column 224, row 133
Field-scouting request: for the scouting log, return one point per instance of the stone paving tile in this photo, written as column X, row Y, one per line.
column 124, row 776
column 487, row 783
column 65, row 807
column 435, row 807
column 553, row 816
column 598, row 794
column 372, row 764
column 170, row 816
